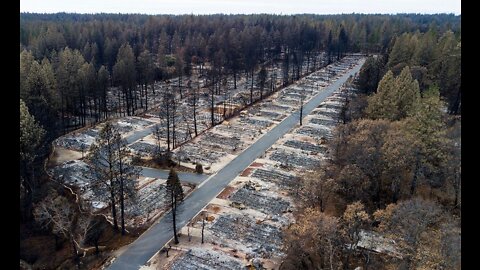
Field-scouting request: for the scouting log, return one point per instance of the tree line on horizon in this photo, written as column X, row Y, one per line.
column 69, row 61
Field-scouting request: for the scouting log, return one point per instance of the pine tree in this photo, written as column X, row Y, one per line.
column 103, row 78
column 146, row 72
column 113, row 174
column 69, row 82
column 396, row 98
column 174, row 196
column 261, row 80
column 125, row 76
column 370, row 74
column 402, row 51
column 127, row 174
column 379, row 104
column 31, row 138
column 426, row 128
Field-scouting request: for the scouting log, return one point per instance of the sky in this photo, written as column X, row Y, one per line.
column 242, row 6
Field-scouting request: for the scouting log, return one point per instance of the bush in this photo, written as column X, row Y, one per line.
column 199, row 168
column 170, row 60
column 163, row 159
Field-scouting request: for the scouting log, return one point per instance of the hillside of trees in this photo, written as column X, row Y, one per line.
column 395, row 169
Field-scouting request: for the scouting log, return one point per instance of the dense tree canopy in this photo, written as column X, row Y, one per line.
column 31, row 140
column 395, row 164
column 67, row 61
column 396, row 98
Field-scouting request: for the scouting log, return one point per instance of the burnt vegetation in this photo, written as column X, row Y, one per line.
column 394, row 157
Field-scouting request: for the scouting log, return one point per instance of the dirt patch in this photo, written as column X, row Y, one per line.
column 160, row 261
column 62, row 154
column 215, row 209
column 251, row 198
column 212, row 208
column 116, row 244
column 39, row 251
column 256, row 165
column 152, row 164
column 226, row 193
column 246, row 172
column 198, row 218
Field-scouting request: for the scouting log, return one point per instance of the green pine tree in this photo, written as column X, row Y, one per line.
column 396, row 98
column 174, row 196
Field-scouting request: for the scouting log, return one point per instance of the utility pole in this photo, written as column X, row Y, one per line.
column 203, row 224
column 302, row 98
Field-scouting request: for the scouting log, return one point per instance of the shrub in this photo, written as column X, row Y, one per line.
column 199, row 168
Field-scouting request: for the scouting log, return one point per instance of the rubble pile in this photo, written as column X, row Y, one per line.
column 205, row 259
column 144, row 149
column 148, row 199
column 273, row 176
column 323, row 122
column 315, row 132
column 195, row 153
column 258, row 200
column 255, row 123
column 327, row 113
column 78, row 141
column 261, row 238
column 216, row 141
column 288, row 159
column 305, row 146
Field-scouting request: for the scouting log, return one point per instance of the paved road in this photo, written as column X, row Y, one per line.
column 142, row 249
column 137, row 135
column 193, row 178
column 163, row 174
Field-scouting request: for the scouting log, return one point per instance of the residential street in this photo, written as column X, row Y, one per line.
column 141, row 250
